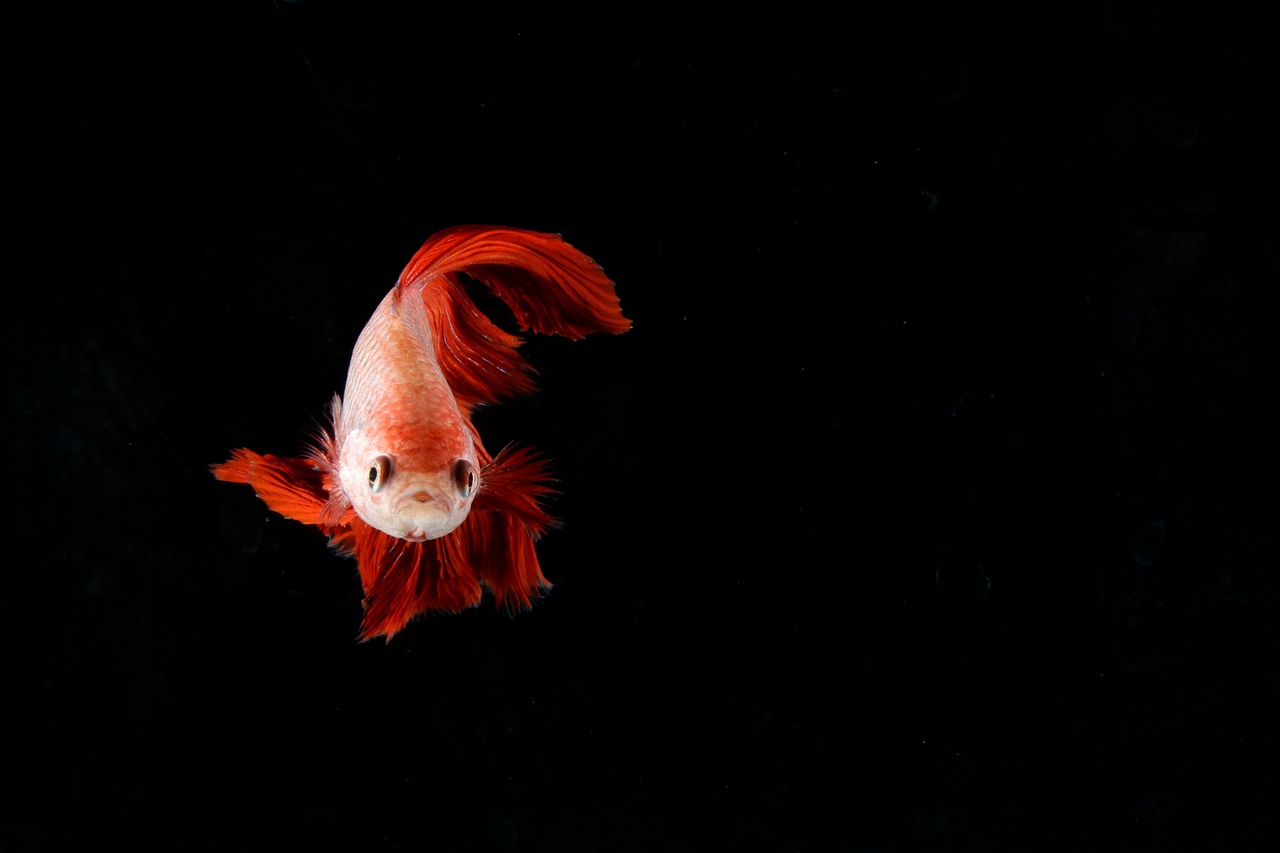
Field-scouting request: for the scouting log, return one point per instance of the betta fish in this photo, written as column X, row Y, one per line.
column 401, row 480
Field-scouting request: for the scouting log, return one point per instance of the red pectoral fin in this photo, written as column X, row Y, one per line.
column 514, row 483
column 505, row 521
column 292, row 487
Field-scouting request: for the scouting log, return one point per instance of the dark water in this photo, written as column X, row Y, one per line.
column 929, row 505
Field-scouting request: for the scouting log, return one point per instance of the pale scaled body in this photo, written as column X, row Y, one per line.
column 407, row 458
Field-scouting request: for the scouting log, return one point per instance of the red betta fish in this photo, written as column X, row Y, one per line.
column 402, row 481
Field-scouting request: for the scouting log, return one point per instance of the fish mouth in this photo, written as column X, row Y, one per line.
column 421, row 496
column 424, row 513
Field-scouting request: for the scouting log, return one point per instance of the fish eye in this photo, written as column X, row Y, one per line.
column 465, row 478
column 379, row 471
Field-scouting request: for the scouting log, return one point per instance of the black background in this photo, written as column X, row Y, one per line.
column 929, row 504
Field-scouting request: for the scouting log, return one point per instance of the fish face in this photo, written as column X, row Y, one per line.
column 408, row 496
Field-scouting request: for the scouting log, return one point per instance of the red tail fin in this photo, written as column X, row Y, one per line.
column 550, row 287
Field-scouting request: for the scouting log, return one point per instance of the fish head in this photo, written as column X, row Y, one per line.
column 410, row 490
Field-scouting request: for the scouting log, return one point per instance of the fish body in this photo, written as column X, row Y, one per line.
column 408, row 461
column 402, row 480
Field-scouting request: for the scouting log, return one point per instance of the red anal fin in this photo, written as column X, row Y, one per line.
column 500, row 549
column 292, row 487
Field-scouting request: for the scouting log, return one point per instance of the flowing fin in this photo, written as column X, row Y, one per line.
column 403, row 579
column 506, row 519
column 501, row 551
column 337, row 511
column 295, row 488
column 550, row 287
column 515, row 482
column 494, row 547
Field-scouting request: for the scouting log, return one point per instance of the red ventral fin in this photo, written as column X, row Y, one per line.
column 403, row 579
column 550, row 287
column 294, row 488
